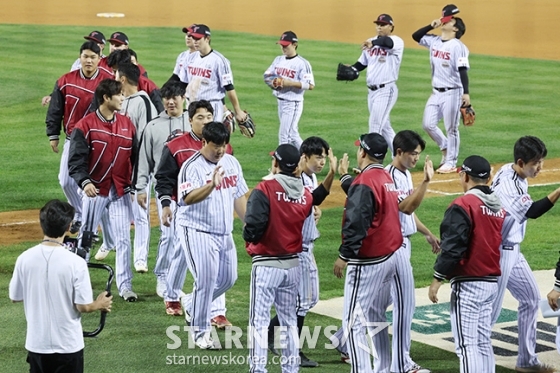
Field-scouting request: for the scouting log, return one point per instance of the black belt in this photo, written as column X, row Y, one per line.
column 376, row 87
column 508, row 247
column 444, row 89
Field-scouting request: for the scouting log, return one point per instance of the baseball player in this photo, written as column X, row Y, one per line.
column 144, row 83
column 382, row 55
column 171, row 257
column 371, row 234
column 407, row 148
column 510, row 184
column 276, row 212
column 102, row 156
column 71, row 100
column 449, row 59
column 208, row 75
column 297, row 77
column 470, row 258
column 138, row 107
column 314, row 151
column 211, row 186
column 185, row 57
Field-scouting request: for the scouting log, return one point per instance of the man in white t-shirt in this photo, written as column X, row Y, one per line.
column 55, row 288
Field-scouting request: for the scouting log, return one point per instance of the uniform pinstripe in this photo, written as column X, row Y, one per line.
column 69, row 186
column 134, row 107
column 278, row 286
column 383, row 66
column 517, row 276
column 308, row 289
column 204, row 230
column 290, row 99
column 206, row 77
column 119, row 213
column 358, row 304
column 471, row 307
column 445, row 58
column 180, row 67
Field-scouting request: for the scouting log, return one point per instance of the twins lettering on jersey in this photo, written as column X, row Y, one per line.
column 288, row 73
column 200, row 71
column 390, row 187
column 284, row 197
column 377, row 52
column 227, row 182
column 444, row 55
column 487, row 211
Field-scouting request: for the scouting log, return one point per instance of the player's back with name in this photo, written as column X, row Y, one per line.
column 214, row 214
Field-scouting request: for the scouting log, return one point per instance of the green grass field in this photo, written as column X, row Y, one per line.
column 512, row 97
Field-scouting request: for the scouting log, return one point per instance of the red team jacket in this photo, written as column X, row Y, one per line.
column 282, row 236
column 71, row 100
column 103, row 153
column 378, row 235
column 481, row 256
column 175, row 153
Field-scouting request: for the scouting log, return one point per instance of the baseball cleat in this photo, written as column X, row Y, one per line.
column 305, row 362
column 161, row 287
column 129, row 296
column 75, row 227
column 446, row 169
column 141, row 267
column 418, row 369
column 207, row 343
column 102, row 252
column 220, row 322
column 542, row 368
column 173, row 308
column 345, row 358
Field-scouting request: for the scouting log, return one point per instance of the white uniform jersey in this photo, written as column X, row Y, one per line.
column 383, row 64
column 182, row 62
column 294, row 68
column 445, row 58
column 405, row 187
column 513, row 193
column 207, row 76
column 215, row 213
column 135, row 108
column 310, row 232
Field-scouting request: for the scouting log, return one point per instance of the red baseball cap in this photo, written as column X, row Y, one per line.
column 384, row 19
column 189, row 29
column 287, row 38
column 199, row 31
column 96, row 36
column 448, row 12
column 119, row 38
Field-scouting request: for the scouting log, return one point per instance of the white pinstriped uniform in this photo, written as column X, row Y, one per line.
column 206, row 77
column 445, row 59
column 308, row 290
column 290, row 100
column 271, row 285
column 205, row 232
column 517, row 276
column 119, row 209
column 183, row 59
column 134, row 107
column 69, row 187
column 471, row 304
column 383, row 66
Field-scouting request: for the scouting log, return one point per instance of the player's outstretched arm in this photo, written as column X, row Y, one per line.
column 411, row 203
column 199, row 194
column 240, row 115
column 240, row 207
column 333, row 163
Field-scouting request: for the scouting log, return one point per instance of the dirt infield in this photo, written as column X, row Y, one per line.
column 499, row 27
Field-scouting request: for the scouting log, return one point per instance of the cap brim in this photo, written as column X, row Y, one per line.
column 272, row 153
column 94, row 39
column 284, row 43
column 197, row 36
column 117, row 41
column 186, row 30
column 357, row 143
column 381, row 23
column 446, row 19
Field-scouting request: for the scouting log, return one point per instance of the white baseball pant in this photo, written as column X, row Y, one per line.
column 308, row 289
column 69, row 186
column 141, row 218
column 380, row 104
column 289, row 113
column 518, row 278
column 278, row 286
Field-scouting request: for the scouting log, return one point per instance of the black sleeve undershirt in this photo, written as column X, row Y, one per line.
column 539, row 208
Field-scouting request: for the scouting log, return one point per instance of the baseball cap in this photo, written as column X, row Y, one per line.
column 384, row 19
column 96, row 36
column 199, row 31
column 287, row 38
column 448, row 12
column 119, row 38
column 188, row 29
column 476, row 166
column 374, row 144
column 287, row 156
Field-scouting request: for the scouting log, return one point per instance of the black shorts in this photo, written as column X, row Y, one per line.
column 56, row 363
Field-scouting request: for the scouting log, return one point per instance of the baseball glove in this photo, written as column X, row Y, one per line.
column 347, row 73
column 468, row 115
column 229, row 121
column 273, row 81
column 247, row 127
